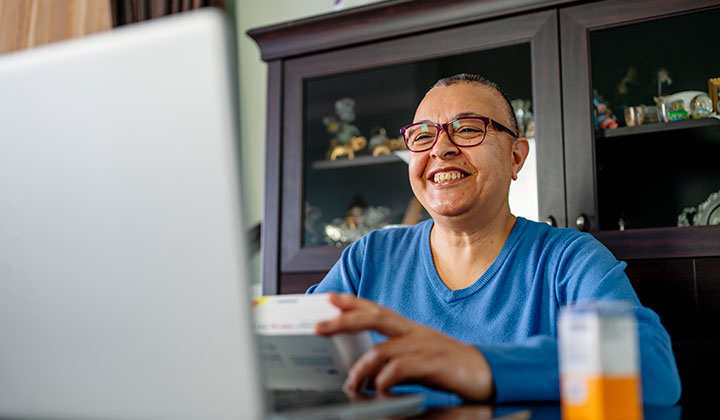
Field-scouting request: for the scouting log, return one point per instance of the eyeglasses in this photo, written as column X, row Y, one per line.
column 463, row 132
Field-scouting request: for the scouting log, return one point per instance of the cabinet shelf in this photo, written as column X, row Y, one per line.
column 667, row 242
column 656, row 128
column 360, row 161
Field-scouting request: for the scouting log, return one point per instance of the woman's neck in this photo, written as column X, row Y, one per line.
column 463, row 251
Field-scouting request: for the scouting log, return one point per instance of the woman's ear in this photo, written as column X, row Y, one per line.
column 520, row 150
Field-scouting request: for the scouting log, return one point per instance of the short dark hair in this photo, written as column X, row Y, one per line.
column 474, row 78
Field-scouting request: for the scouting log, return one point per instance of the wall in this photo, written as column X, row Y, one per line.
column 253, row 91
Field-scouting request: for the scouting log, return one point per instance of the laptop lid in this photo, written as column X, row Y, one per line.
column 123, row 291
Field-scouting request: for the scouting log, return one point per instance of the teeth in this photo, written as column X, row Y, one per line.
column 448, row 176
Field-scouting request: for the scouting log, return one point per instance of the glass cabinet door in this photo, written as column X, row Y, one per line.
column 655, row 170
column 655, row 147
column 355, row 175
column 344, row 160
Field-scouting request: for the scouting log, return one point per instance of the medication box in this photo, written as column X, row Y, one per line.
column 599, row 362
column 292, row 356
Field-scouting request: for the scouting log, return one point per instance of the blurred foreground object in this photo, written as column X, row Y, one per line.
column 599, row 362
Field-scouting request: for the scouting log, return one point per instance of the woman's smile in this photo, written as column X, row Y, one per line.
column 446, row 177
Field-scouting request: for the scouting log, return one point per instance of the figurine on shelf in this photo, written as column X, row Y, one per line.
column 355, row 144
column 530, row 129
column 603, row 116
column 360, row 220
column 663, row 77
column 677, row 111
column 378, row 137
column 707, row 213
column 313, row 234
column 526, row 123
column 687, row 217
column 701, row 106
column 390, row 146
column 345, row 134
column 381, row 144
column 622, row 91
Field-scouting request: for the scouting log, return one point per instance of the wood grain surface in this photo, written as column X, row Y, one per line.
column 29, row 23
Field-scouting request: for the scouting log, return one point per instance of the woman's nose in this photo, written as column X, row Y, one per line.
column 444, row 147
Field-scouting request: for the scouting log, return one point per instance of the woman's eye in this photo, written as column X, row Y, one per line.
column 423, row 138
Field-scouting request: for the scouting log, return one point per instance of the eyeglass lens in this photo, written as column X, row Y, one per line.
column 463, row 131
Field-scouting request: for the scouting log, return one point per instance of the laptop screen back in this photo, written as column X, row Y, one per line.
column 123, row 291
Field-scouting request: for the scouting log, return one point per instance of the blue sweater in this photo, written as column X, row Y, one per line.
column 510, row 313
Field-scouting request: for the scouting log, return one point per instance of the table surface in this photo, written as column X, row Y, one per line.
column 443, row 406
column 540, row 412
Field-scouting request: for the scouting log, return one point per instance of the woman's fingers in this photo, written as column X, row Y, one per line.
column 430, row 359
column 360, row 314
column 412, row 353
column 390, row 324
column 368, row 365
column 409, row 367
column 345, row 301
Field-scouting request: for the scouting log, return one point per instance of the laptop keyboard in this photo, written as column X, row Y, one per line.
column 294, row 399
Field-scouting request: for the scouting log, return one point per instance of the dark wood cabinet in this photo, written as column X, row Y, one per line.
column 555, row 53
column 552, row 52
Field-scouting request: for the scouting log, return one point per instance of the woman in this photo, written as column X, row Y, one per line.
column 469, row 300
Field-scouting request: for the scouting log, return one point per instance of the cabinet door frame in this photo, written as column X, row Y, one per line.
column 539, row 29
column 576, row 23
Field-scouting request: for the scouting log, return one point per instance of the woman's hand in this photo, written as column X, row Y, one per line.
column 413, row 353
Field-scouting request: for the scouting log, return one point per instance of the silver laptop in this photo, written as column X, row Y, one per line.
column 123, row 291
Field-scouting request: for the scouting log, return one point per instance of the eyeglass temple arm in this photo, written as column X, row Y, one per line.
column 503, row 128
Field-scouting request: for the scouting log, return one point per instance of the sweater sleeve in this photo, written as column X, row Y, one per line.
column 525, row 371
column 537, row 359
column 344, row 276
column 585, row 270
column 588, row 270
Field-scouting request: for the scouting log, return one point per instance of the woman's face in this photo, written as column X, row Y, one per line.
column 452, row 181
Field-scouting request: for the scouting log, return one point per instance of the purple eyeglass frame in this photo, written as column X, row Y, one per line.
column 444, row 127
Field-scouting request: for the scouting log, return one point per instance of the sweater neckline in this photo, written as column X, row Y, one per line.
column 452, row 295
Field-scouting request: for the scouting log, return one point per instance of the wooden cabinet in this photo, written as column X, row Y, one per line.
column 385, row 56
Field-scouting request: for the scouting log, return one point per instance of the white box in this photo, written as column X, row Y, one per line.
column 292, row 355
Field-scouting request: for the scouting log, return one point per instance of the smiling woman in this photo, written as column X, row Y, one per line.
column 481, row 196
column 468, row 301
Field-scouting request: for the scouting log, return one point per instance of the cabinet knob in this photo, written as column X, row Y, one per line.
column 582, row 223
column 550, row 220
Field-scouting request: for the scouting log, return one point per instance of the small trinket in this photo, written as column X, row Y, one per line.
column 677, row 111
column 701, row 106
column 347, row 139
column 603, row 116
